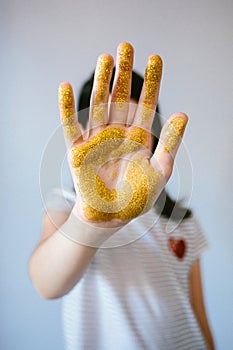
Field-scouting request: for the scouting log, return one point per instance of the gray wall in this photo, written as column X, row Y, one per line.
column 46, row 42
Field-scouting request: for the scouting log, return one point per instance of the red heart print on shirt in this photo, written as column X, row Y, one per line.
column 178, row 247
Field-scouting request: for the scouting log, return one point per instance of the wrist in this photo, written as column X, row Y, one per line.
column 81, row 231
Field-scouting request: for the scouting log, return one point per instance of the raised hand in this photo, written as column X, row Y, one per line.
column 116, row 177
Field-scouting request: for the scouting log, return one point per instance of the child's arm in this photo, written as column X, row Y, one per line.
column 114, row 176
column 58, row 262
column 197, row 302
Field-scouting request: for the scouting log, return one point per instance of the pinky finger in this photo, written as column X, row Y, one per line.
column 69, row 121
column 169, row 142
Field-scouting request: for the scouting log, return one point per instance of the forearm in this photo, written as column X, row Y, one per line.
column 197, row 301
column 59, row 261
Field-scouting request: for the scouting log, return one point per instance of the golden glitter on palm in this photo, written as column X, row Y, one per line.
column 115, row 177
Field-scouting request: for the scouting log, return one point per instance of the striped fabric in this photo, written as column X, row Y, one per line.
column 136, row 296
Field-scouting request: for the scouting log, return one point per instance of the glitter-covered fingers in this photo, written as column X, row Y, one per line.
column 150, row 92
column 100, row 91
column 71, row 127
column 122, row 84
column 169, row 141
column 115, row 177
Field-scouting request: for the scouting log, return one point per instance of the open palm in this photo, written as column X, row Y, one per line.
column 115, row 175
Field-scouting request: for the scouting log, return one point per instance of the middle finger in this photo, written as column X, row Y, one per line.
column 122, row 84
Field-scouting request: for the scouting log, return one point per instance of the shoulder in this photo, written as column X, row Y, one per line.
column 59, row 199
column 57, row 207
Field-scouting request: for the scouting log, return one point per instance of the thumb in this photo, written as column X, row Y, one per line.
column 169, row 142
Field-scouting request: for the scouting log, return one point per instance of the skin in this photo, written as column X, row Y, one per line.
column 58, row 263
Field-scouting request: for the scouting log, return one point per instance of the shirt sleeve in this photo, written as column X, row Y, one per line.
column 60, row 200
column 200, row 243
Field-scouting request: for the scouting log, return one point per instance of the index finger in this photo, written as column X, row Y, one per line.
column 150, row 92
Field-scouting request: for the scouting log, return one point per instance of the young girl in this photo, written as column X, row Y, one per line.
column 126, row 283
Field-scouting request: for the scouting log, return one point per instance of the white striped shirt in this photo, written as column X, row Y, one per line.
column 136, row 296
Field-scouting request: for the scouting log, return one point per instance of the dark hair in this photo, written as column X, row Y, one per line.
column 164, row 203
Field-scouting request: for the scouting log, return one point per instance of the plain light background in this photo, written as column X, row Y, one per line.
column 46, row 42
